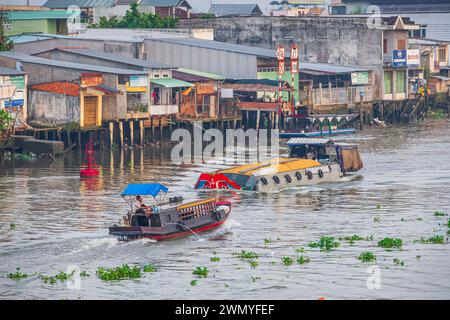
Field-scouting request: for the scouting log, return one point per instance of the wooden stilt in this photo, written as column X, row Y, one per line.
column 121, row 133
column 131, row 132
column 161, row 129
column 153, row 128
column 111, row 133
column 258, row 115
column 141, row 132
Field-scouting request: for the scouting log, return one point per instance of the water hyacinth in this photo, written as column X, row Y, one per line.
column 18, row 275
column 390, row 243
column 367, row 256
column 201, row 272
column 325, row 244
column 118, row 273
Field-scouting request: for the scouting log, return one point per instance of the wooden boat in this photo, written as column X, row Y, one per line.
column 168, row 219
column 329, row 163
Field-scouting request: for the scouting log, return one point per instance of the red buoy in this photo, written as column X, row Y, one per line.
column 89, row 167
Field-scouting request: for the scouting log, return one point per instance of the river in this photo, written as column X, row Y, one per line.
column 60, row 221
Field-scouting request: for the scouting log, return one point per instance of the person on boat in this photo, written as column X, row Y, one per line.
column 141, row 207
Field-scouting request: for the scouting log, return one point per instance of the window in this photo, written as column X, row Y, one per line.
column 387, row 82
column 442, row 54
column 385, row 46
column 401, row 44
column 400, row 84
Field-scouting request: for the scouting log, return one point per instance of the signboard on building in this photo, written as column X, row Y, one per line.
column 294, row 59
column 413, row 58
column 12, row 90
column 226, row 93
column 205, row 88
column 281, row 54
column 360, row 78
column 91, row 79
column 399, row 58
column 137, row 83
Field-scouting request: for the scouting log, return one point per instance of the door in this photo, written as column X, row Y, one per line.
column 90, row 111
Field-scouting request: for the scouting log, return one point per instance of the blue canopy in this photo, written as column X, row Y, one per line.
column 152, row 189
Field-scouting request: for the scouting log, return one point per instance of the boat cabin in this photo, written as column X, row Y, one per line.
column 326, row 151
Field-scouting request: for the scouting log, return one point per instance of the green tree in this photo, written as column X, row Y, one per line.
column 135, row 19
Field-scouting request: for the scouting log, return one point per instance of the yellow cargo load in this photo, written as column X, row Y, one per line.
column 273, row 166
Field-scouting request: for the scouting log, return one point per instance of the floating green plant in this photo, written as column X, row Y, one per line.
column 300, row 250
column 246, row 255
column 255, row 278
column 267, row 241
column 215, row 259
column 367, row 256
column 355, row 237
column 378, row 206
column 325, row 244
column 287, row 261
column 398, row 262
column 419, row 219
column 194, row 282
column 12, row 226
column 448, row 223
column 201, row 272
column 119, row 273
column 84, row 274
column 437, row 239
column 439, row 214
column 302, row 260
column 390, row 243
column 18, row 275
column 61, row 277
column 376, row 219
column 149, row 268
column 253, row 263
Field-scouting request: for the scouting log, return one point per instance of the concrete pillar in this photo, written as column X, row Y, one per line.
column 161, row 129
column 258, row 114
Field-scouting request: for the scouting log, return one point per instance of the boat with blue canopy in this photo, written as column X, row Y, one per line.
column 165, row 217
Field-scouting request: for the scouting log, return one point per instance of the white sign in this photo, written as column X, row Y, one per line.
column 137, row 81
column 413, row 58
column 226, row 93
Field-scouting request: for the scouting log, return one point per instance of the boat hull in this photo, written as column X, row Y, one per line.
column 172, row 229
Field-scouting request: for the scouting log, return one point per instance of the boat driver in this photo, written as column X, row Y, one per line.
column 141, row 207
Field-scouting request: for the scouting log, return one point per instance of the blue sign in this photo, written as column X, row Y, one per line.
column 14, row 103
column 399, row 58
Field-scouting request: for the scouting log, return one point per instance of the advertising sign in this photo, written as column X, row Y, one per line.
column 281, row 54
column 360, row 78
column 226, row 93
column 399, row 58
column 138, row 81
column 91, row 79
column 294, row 59
column 413, row 58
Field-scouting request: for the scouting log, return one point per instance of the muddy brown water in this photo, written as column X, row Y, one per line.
column 61, row 221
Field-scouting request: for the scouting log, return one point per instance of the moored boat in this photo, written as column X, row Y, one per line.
column 311, row 161
column 167, row 218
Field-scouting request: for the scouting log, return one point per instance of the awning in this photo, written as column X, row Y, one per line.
column 171, row 83
column 152, row 189
column 307, row 141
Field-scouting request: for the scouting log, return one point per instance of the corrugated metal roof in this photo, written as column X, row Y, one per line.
column 202, row 74
column 115, row 57
column 24, row 38
column 165, row 3
column 10, row 72
column 303, row 141
column 63, row 4
column 171, row 83
column 69, row 65
column 329, row 68
column 235, row 9
column 218, row 45
column 38, row 15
